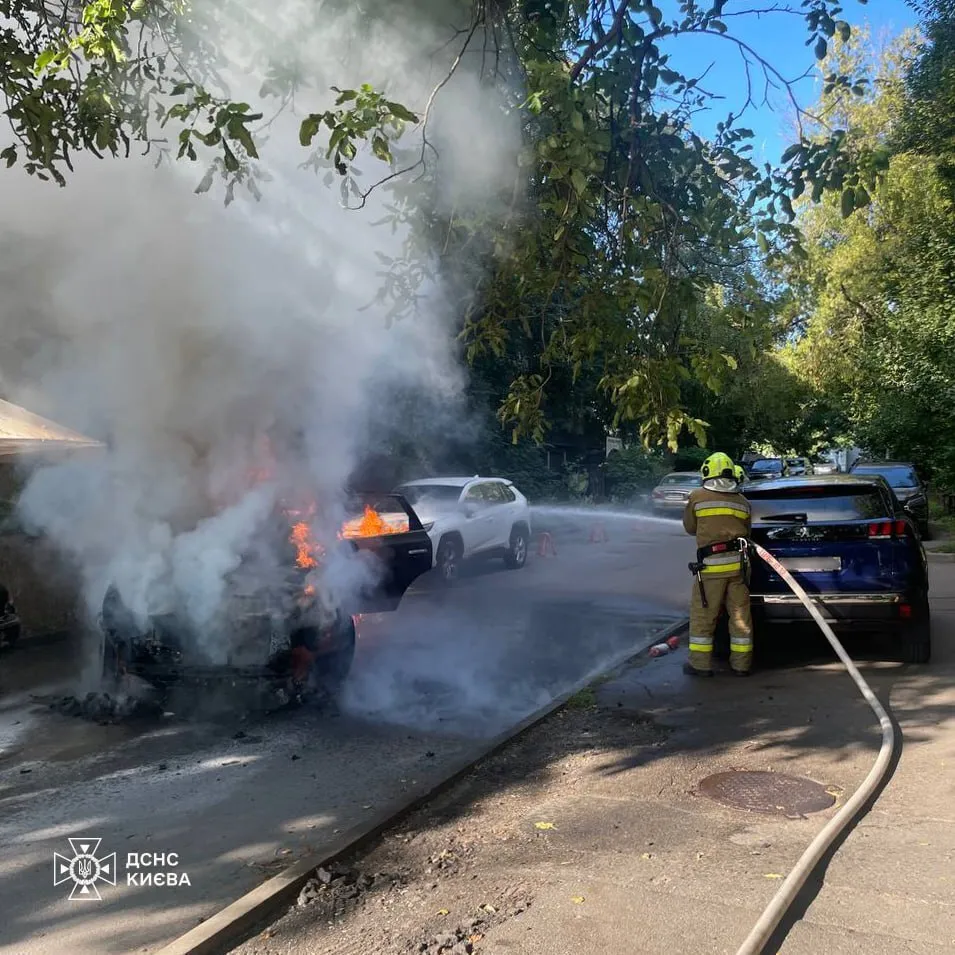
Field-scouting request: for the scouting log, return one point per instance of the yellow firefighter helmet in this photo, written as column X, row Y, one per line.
column 718, row 465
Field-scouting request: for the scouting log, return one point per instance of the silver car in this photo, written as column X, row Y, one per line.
column 671, row 494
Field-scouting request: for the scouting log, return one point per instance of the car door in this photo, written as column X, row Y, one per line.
column 500, row 512
column 477, row 524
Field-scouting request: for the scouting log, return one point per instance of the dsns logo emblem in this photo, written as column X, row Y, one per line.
column 84, row 869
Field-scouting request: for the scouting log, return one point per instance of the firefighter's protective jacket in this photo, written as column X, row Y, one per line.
column 715, row 517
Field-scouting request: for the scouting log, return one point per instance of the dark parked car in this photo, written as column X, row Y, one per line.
column 275, row 632
column 766, row 469
column 670, row 495
column 849, row 543
column 906, row 485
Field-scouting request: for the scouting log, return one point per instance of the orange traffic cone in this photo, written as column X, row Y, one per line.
column 545, row 545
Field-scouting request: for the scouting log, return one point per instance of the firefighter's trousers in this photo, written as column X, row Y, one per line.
column 732, row 594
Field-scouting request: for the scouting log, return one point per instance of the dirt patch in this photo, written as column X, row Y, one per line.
column 445, row 879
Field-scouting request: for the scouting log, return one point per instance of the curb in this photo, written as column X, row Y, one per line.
column 237, row 921
column 939, row 558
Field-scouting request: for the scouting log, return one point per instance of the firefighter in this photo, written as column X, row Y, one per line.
column 719, row 516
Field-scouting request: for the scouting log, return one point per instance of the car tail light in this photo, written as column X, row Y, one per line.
column 905, row 611
column 886, row 530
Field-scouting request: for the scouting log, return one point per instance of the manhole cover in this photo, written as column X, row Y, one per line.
column 767, row 792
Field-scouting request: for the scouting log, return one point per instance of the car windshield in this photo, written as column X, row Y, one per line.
column 896, row 476
column 828, row 502
column 436, row 495
column 681, row 480
column 767, row 464
column 794, row 462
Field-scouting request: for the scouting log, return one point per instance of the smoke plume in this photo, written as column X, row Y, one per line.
column 177, row 329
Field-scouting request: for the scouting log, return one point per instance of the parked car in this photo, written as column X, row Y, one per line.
column 851, row 546
column 766, row 469
column 274, row 631
column 825, row 467
column 671, row 494
column 797, row 467
column 471, row 517
column 907, row 486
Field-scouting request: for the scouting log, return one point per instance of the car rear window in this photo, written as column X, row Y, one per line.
column 834, row 502
column 681, row 480
column 766, row 464
column 897, row 477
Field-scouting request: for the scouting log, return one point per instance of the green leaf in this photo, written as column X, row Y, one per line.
column 309, row 128
column 845, row 31
column 9, row 155
column 44, row 60
column 401, row 112
column 821, row 48
column 861, row 197
column 379, row 146
column 718, row 25
column 578, row 181
column 791, row 152
column 232, row 164
column 848, row 203
column 762, row 242
column 345, row 96
column 656, row 15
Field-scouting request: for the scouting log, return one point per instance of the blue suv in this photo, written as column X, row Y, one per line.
column 851, row 545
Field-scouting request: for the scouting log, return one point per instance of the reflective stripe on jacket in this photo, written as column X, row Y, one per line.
column 714, row 517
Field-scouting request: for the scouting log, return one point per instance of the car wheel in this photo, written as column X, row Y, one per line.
column 330, row 671
column 516, row 555
column 916, row 639
column 449, row 560
column 925, row 531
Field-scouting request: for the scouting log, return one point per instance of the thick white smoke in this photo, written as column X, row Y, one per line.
column 175, row 328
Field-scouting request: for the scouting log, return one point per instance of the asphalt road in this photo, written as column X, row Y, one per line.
column 238, row 798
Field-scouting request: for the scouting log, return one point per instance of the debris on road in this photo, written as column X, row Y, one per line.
column 103, row 708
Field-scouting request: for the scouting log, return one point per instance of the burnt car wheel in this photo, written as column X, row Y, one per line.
column 449, row 560
column 915, row 641
column 516, row 555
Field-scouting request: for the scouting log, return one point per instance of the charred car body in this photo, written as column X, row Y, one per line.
column 292, row 631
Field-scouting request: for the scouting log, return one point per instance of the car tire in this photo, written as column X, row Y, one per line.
column 915, row 642
column 925, row 531
column 516, row 555
column 330, row 671
column 448, row 560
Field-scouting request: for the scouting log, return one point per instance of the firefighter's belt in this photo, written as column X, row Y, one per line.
column 724, row 547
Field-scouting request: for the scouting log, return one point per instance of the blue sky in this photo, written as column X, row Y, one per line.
column 779, row 38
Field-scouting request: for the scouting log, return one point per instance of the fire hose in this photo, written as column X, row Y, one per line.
column 782, row 901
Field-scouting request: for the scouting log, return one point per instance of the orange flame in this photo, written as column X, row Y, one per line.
column 372, row 524
column 301, row 537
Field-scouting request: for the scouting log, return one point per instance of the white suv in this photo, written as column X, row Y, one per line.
column 469, row 517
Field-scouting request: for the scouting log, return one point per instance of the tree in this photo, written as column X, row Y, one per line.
column 879, row 307
column 620, row 221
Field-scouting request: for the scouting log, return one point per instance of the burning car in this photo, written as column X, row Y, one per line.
column 292, row 630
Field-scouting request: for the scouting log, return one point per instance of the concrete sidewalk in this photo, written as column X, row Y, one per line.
column 589, row 834
column 664, row 871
